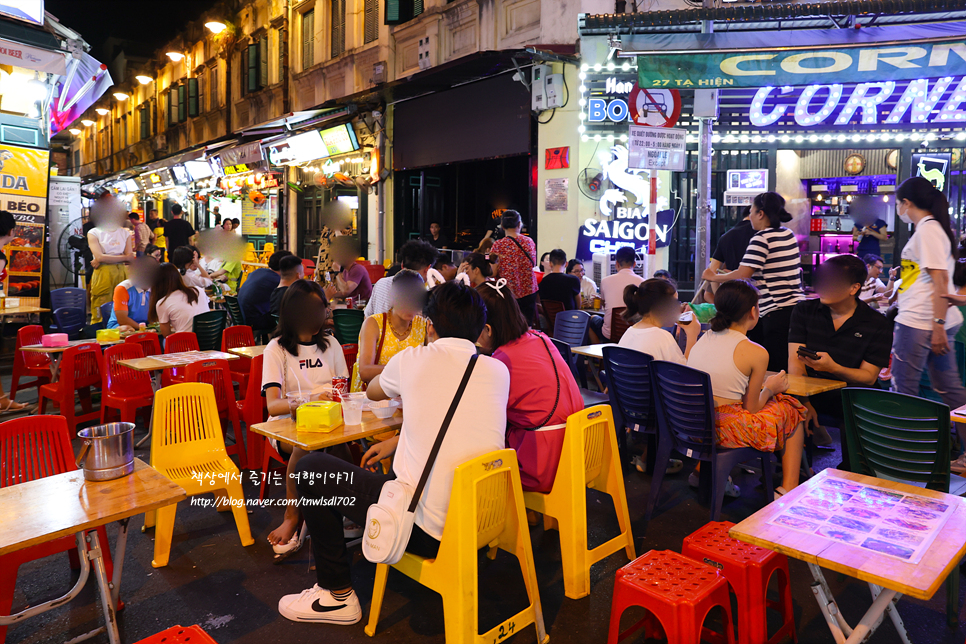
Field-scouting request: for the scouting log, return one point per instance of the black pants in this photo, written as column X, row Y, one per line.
column 774, row 328
column 528, row 306
column 350, row 490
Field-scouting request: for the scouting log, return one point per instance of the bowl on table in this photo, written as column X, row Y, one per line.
column 384, row 408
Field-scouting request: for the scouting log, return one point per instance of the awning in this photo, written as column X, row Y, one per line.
column 752, row 59
column 35, row 58
column 241, row 154
column 294, row 120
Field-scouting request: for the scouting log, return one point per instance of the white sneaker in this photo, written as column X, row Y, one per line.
column 732, row 491
column 318, row 605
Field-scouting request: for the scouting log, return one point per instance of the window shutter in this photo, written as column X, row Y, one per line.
column 214, row 99
column 182, row 104
column 251, row 65
column 263, row 62
column 338, row 27
column 172, row 107
column 400, row 11
column 371, row 21
column 308, row 39
column 193, row 97
column 142, row 122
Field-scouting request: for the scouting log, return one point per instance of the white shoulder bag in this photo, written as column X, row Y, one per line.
column 389, row 522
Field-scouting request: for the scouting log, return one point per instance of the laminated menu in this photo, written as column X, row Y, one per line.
column 885, row 521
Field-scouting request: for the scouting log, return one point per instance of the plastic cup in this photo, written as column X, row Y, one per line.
column 352, row 408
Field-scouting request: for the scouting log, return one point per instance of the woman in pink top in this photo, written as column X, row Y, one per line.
column 543, row 392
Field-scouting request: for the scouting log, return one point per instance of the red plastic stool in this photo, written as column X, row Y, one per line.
column 180, row 635
column 677, row 592
column 748, row 569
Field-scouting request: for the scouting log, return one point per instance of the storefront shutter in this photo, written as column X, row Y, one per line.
column 371, row 21
column 193, row 97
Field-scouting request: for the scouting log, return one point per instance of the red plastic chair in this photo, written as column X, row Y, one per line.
column 180, row 635
column 253, row 410
column 677, row 592
column 123, row 388
column 748, row 569
column 178, row 343
column 150, row 342
column 28, row 363
column 217, row 374
column 31, row 448
column 80, row 369
column 309, row 267
column 376, row 271
column 351, row 353
column 239, row 336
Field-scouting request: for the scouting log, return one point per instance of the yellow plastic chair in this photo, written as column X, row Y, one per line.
column 589, row 458
column 187, row 446
column 250, row 254
column 485, row 509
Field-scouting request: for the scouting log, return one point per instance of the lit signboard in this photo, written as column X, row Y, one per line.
column 340, row 139
column 157, row 180
column 236, row 169
column 198, row 170
column 307, row 146
column 753, row 181
column 27, row 10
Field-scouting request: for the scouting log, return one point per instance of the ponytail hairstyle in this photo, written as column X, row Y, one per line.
column 923, row 195
column 167, row 281
column 772, row 205
column 481, row 262
column 650, row 295
column 733, row 301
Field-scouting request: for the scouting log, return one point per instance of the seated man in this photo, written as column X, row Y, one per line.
column 290, row 268
column 612, row 292
column 255, row 295
column 557, row 285
column 457, row 316
column 416, row 255
column 132, row 297
column 851, row 341
column 874, row 292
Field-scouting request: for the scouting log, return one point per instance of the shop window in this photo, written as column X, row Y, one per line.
column 193, row 97
column 400, row 11
column 308, row 39
column 337, row 35
column 371, row 21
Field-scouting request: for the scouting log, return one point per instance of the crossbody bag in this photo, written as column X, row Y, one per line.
column 533, row 261
column 389, row 522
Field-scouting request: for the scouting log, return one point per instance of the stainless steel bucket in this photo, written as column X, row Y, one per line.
column 109, row 450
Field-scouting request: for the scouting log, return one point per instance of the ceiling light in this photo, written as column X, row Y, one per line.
column 101, row 111
column 87, row 122
column 215, row 27
column 74, row 131
column 121, row 96
column 175, row 55
column 144, row 80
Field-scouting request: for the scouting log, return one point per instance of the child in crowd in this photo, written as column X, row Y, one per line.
column 301, row 359
column 173, row 304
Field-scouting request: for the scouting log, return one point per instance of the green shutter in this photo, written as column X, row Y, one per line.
column 400, row 11
column 182, row 104
column 144, row 115
column 263, row 61
column 172, row 107
column 251, row 58
column 193, row 97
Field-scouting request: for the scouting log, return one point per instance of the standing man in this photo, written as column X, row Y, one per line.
column 216, row 213
column 142, row 234
column 255, row 295
column 178, row 232
column 612, row 292
column 518, row 256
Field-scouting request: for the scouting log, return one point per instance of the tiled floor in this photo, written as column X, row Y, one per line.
column 233, row 591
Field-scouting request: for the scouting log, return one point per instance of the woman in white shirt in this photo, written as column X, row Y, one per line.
column 188, row 261
column 112, row 247
column 655, row 300
column 751, row 410
column 301, row 358
column 173, row 304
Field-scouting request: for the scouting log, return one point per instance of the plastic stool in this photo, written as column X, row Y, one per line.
column 748, row 569
column 180, row 635
column 677, row 592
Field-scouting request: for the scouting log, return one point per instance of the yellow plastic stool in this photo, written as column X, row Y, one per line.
column 485, row 509
column 187, row 446
column 589, row 458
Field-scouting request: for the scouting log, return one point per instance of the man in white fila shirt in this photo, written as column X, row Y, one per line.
column 457, row 316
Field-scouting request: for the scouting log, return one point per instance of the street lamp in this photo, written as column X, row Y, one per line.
column 175, row 55
column 144, row 80
column 121, row 96
column 87, row 122
column 102, row 111
column 74, row 131
column 215, row 27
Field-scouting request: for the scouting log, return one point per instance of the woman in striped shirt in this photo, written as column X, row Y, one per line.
column 773, row 260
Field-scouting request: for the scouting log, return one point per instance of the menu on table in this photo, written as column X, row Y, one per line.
column 186, row 357
column 885, row 521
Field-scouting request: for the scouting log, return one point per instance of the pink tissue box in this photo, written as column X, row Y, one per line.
column 54, row 340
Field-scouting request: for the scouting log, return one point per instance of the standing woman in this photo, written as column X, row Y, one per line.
column 383, row 335
column 518, row 256
column 927, row 324
column 774, row 262
column 112, row 246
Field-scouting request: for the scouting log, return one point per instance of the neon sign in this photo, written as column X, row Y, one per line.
column 918, row 103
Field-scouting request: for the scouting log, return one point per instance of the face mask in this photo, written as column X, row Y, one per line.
column 905, row 218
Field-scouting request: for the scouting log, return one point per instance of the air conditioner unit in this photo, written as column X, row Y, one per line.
column 604, row 266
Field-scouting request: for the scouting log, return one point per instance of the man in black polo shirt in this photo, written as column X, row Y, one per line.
column 853, row 341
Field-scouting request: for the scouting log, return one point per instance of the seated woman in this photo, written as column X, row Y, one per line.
column 383, row 335
column 188, row 261
column 656, row 301
column 752, row 410
column 475, row 269
column 543, row 392
column 173, row 304
column 154, row 251
column 300, row 358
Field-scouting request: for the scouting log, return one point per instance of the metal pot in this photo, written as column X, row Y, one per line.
column 111, row 451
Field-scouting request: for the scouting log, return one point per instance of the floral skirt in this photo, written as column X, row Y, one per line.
column 765, row 431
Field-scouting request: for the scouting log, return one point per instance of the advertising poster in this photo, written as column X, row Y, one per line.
column 23, row 192
column 258, row 219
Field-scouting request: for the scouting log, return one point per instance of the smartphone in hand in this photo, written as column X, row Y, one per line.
column 805, row 352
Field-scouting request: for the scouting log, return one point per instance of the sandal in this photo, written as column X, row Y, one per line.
column 286, row 550
column 780, row 492
column 9, row 406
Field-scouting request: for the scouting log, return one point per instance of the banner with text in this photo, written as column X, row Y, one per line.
column 24, row 174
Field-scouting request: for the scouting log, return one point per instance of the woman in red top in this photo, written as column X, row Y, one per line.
column 543, row 392
column 518, row 256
